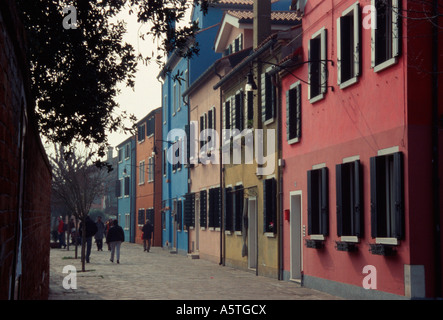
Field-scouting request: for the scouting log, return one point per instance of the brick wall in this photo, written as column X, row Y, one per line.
column 29, row 177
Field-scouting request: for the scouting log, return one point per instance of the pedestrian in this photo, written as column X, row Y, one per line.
column 108, row 226
column 71, row 230
column 91, row 230
column 61, row 232
column 115, row 238
column 99, row 235
column 147, row 235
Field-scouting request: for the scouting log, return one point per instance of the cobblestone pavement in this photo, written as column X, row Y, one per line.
column 160, row 275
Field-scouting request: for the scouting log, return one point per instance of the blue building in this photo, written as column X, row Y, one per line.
column 125, row 187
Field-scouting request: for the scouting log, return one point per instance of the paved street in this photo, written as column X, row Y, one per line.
column 159, row 275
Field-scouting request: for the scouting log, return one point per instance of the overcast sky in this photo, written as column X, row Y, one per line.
column 146, row 96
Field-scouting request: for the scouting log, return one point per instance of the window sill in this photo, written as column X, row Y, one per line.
column 270, row 234
column 385, row 64
column 317, row 98
column 348, row 83
column 388, row 241
column 293, row 140
column 237, row 233
column 269, row 121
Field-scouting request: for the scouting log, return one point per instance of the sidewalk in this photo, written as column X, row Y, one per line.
column 159, row 275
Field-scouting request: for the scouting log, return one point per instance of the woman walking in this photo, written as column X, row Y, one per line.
column 115, row 238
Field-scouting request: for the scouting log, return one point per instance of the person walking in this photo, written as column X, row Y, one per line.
column 115, row 238
column 61, row 232
column 100, row 233
column 147, row 235
column 91, row 230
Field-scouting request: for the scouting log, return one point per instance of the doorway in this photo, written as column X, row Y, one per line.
column 252, row 233
column 296, row 235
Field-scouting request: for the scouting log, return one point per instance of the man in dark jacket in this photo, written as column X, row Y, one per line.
column 91, row 230
column 115, row 238
column 147, row 235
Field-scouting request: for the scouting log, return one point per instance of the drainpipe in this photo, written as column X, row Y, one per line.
column 435, row 150
column 222, row 207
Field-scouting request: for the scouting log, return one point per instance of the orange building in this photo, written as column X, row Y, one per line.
column 148, row 186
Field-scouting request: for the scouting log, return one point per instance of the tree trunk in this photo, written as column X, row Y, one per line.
column 83, row 244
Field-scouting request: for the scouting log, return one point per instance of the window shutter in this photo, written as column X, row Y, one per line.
column 264, row 96
column 288, row 114
column 339, row 55
column 358, row 200
column 373, row 34
column 356, row 26
column 314, row 67
column 188, row 142
column 324, row 63
column 217, row 213
column 339, row 198
column 313, row 216
column 189, row 209
column 127, row 186
column 298, row 111
column 203, row 206
column 309, row 69
column 238, row 207
column 324, row 202
column 345, row 44
column 227, row 208
column 374, row 168
column 274, row 204
column 398, row 195
column 396, row 28
column 265, row 204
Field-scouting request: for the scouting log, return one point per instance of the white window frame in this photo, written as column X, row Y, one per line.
column 395, row 40
column 323, row 69
column 141, row 172
column 353, row 10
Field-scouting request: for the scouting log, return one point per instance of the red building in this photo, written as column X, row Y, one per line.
column 361, row 207
column 148, row 173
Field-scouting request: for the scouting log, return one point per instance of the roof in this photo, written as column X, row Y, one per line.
column 277, row 17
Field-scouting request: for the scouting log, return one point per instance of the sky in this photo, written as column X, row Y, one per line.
column 146, row 95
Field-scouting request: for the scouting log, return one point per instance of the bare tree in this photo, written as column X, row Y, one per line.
column 77, row 181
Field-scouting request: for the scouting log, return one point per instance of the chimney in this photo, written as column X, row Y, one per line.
column 110, row 153
column 262, row 21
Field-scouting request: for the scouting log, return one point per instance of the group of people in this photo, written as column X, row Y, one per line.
column 112, row 232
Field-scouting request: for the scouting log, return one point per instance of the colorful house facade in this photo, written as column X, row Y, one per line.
column 149, row 178
column 356, row 145
column 126, row 186
column 251, row 172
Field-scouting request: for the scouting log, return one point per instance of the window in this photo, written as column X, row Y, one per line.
column 165, row 162
column 165, row 108
column 270, row 205
column 386, row 38
column 151, row 168
column 179, row 214
column 293, row 113
column 211, row 125
column 349, row 199
column 141, row 217
column 120, row 154
column 141, row 172
column 317, row 66
column 189, row 210
column 238, row 111
column 238, row 207
column 249, row 109
column 126, row 187
column 348, row 46
column 214, row 208
column 226, row 120
column 178, row 147
column 127, row 221
column 150, row 215
column 203, row 126
column 141, row 133
column 318, row 206
column 228, row 209
column 175, row 98
column 268, row 98
column 235, row 46
column 127, row 150
column 203, row 208
column 150, row 126
column 387, row 200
